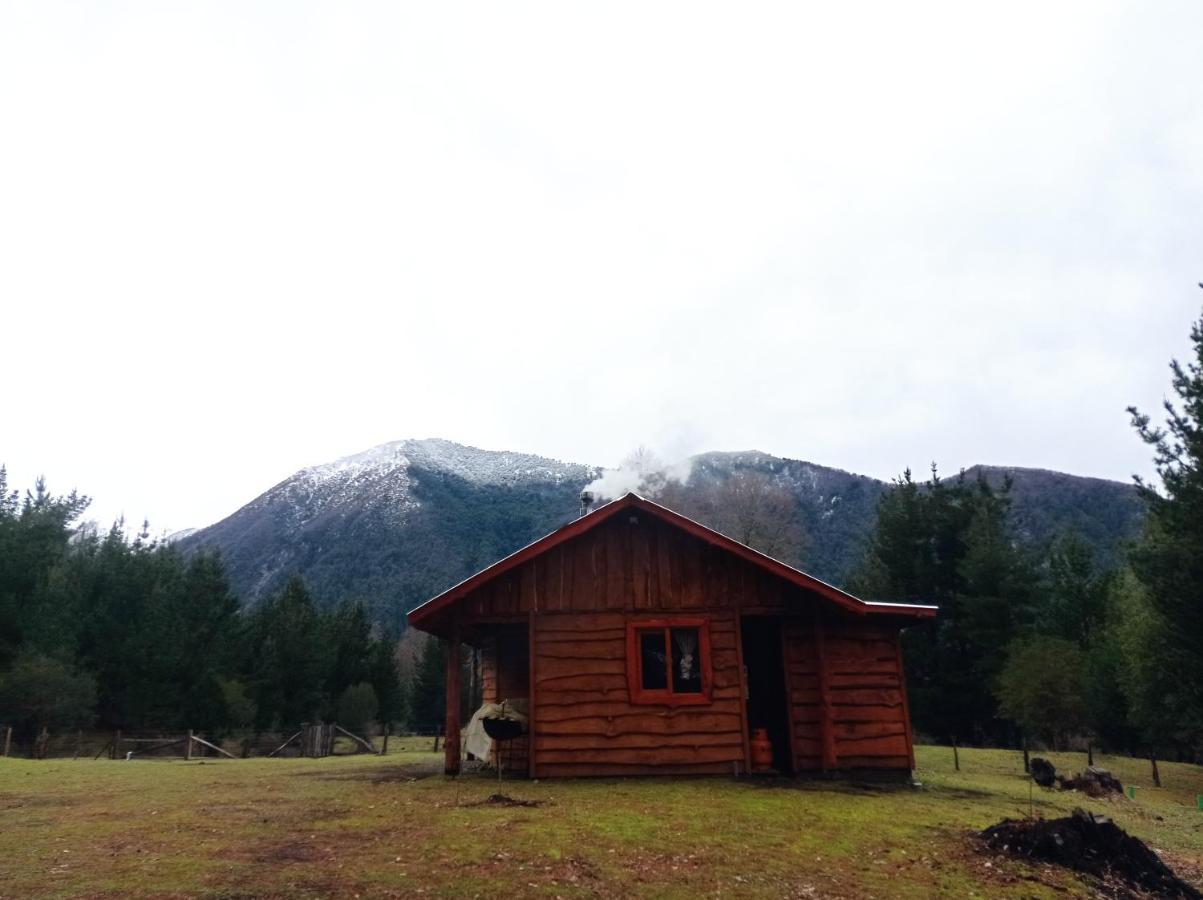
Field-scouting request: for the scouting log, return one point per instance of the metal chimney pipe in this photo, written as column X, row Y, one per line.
column 586, row 502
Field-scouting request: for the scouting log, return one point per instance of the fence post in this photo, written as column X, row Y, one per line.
column 79, row 740
column 117, row 744
column 8, row 739
column 188, row 747
column 956, row 757
column 41, row 744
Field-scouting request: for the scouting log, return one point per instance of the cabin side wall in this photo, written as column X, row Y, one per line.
column 847, row 694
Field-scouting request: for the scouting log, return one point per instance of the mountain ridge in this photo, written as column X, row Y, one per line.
column 397, row 523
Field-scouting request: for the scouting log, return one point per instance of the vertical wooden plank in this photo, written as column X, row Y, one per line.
column 743, row 686
column 826, row 726
column 789, row 696
column 8, row 739
column 615, row 583
column 676, row 570
column 532, row 699
column 640, row 565
column 451, row 726
column 188, row 747
column 584, row 571
column 906, row 707
column 543, row 582
column 530, row 587
column 628, row 535
column 666, row 596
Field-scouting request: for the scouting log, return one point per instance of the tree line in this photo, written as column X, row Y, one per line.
column 1047, row 642
column 118, row 631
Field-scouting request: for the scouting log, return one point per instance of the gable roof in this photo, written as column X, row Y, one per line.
column 423, row 614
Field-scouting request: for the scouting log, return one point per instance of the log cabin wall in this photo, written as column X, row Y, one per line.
column 574, row 602
column 586, row 724
column 847, row 696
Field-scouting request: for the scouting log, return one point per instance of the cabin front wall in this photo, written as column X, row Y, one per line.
column 572, row 606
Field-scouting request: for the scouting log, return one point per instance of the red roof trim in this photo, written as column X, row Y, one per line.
column 587, row 522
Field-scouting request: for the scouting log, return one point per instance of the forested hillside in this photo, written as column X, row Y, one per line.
column 399, row 523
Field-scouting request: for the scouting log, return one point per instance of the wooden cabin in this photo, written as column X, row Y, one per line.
column 647, row 644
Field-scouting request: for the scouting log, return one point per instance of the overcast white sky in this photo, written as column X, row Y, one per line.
column 238, row 239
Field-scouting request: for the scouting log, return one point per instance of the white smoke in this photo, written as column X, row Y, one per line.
column 642, row 473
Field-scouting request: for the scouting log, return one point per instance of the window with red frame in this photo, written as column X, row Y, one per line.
column 668, row 661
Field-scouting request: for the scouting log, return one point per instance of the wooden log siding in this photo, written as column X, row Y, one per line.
column 587, row 724
column 571, row 605
column 865, row 711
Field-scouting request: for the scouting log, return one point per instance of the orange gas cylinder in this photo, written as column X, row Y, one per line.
column 762, row 750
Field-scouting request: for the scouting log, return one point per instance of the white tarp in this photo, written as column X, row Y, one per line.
column 473, row 738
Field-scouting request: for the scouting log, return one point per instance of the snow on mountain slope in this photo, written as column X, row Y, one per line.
column 381, row 477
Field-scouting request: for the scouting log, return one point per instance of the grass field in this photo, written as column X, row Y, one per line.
column 378, row 827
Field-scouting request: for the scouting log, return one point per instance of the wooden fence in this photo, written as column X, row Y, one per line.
column 313, row 740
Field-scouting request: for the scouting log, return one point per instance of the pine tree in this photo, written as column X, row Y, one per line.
column 350, row 636
column 386, row 681
column 428, row 702
column 1168, row 558
column 289, row 659
column 949, row 543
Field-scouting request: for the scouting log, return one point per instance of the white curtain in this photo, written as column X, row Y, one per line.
column 687, row 644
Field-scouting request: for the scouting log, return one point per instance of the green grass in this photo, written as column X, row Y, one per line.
column 357, row 826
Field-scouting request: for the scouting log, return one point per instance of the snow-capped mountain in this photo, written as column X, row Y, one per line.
column 400, row 522
column 394, row 524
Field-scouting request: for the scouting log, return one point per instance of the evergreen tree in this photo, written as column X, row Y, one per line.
column 951, row 544
column 1156, row 694
column 1168, row 559
column 386, row 681
column 1074, row 605
column 289, row 659
column 428, row 702
column 40, row 691
column 349, row 634
column 357, row 708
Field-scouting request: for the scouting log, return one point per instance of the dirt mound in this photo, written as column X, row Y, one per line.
column 1044, row 773
column 1094, row 782
column 1091, row 844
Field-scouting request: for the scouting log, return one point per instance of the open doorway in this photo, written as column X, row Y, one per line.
column 768, row 706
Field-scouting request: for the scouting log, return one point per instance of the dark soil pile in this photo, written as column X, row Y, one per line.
column 1094, row 782
column 1091, row 844
column 1044, row 773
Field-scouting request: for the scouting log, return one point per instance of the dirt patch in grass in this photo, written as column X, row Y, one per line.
column 504, row 800
column 289, row 851
column 404, row 774
column 542, row 872
column 27, row 801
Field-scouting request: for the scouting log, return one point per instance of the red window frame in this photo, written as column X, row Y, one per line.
column 666, row 696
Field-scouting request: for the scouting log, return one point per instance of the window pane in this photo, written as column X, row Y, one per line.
column 651, row 650
column 687, row 661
